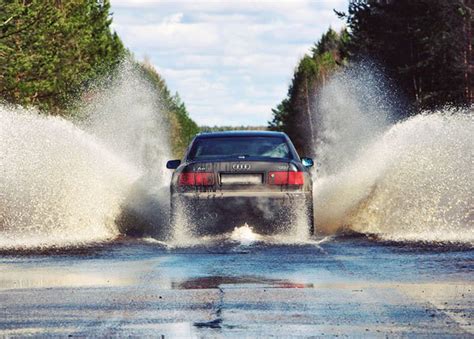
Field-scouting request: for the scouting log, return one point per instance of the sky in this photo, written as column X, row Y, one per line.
column 230, row 61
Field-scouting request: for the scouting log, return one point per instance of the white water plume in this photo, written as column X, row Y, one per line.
column 127, row 117
column 59, row 185
column 406, row 181
column 244, row 235
column 66, row 184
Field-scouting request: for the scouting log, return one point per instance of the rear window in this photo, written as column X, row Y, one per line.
column 235, row 147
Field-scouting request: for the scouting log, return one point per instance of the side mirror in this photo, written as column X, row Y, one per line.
column 173, row 164
column 307, row 162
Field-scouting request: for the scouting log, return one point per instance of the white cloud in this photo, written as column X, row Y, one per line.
column 231, row 61
column 173, row 19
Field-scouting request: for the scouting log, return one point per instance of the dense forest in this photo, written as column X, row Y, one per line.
column 422, row 46
column 53, row 51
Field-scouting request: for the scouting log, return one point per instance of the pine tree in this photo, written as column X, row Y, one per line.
column 50, row 50
column 280, row 116
column 420, row 44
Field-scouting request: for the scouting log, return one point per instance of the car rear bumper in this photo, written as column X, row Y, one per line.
column 220, row 212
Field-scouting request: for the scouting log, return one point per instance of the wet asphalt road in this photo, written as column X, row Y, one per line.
column 341, row 287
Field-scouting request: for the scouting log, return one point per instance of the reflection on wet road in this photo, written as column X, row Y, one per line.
column 345, row 286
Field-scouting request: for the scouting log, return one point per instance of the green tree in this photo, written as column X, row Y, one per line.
column 421, row 44
column 280, row 116
column 50, row 50
column 188, row 127
column 301, row 104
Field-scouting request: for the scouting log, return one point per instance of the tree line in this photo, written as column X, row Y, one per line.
column 422, row 46
column 209, row 129
column 53, row 51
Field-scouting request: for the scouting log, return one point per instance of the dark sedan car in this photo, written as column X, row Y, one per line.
column 227, row 179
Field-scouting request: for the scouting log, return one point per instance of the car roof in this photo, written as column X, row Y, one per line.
column 244, row 133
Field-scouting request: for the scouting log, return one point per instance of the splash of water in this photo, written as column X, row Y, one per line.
column 127, row 116
column 411, row 180
column 66, row 184
column 59, row 185
column 244, row 235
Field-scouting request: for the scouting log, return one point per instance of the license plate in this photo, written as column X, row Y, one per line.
column 241, row 179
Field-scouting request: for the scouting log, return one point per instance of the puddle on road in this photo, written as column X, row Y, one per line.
column 60, row 278
column 219, row 281
column 24, row 278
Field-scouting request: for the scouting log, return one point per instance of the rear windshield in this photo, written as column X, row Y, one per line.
column 230, row 147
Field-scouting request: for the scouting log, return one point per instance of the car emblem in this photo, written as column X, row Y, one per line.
column 241, row 166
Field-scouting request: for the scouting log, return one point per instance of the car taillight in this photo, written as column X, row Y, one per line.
column 286, row 178
column 196, row 179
